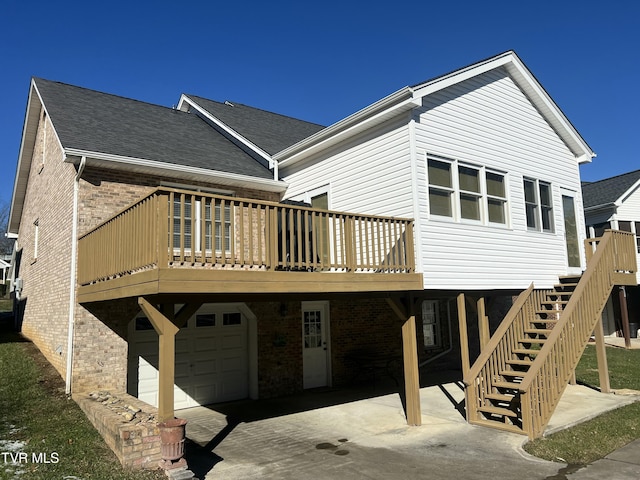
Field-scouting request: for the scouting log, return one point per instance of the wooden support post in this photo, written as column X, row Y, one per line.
column 410, row 360
column 601, row 355
column 624, row 313
column 483, row 324
column 464, row 336
column 166, row 330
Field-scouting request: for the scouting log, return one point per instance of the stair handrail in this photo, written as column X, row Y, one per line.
column 497, row 337
column 603, row 264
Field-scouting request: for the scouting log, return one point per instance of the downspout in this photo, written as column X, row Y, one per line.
column 72, row 277
column 274, row 164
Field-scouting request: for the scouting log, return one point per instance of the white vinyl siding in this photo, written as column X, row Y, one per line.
column 487, row 121
column 369, row 174
column 630, row 211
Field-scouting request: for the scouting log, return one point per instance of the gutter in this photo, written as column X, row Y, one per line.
column 107, row 160
column 72, row 276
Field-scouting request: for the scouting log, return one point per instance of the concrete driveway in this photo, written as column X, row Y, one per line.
column 297, row 438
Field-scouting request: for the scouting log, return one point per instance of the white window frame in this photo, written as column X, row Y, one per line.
column 431, row 329
column 456, row 192
column 538, row 208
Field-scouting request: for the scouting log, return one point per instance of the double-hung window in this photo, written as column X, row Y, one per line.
column 466, row 192
column 538, row 205
column 440, row 188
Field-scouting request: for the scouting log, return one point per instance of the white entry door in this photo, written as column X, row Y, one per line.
column 315, row 344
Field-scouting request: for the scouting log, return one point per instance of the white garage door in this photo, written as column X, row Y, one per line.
column 211, row 358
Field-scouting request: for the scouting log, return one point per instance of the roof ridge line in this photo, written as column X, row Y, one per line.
column 115, row 95
column 234, row 104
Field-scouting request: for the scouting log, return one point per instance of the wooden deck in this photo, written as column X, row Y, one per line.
column 176, row 242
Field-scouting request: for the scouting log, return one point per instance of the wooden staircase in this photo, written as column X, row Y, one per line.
column 518, row 379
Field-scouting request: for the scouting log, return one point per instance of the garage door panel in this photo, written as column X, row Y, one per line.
column 233, row 341
column 233, row 364
column 231, row 388
column 209, row 367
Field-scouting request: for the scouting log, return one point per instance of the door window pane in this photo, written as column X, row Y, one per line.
column 312, row 329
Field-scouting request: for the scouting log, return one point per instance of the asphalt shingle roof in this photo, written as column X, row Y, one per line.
column 607, row 191
column 99, row 122
column 270, row 131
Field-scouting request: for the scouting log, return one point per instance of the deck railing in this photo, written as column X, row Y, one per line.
column 172, row 228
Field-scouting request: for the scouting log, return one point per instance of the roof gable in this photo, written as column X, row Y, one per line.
column 412, row 96
column 270, row 132
column 609, row 191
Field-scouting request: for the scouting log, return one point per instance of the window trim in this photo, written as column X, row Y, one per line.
column 437, row 326
column 456, row 192
column 538, row 207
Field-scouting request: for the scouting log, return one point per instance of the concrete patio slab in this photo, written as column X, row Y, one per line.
column 369, row 438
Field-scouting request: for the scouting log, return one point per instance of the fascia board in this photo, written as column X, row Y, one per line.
column 25, row 155
column 119, row 162
column 223, row 126
column 602, row 208
column 397, row 102
column 458, row 76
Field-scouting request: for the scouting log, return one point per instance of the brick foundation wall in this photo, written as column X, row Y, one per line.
column 136, row 443
column 355, row 325
column 362, row 325
column 279, row 348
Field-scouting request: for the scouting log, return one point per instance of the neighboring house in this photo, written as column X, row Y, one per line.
column 614, row 203
column 215, row 253
column 4, row 270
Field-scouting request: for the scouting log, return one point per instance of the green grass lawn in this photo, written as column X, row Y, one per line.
column 597, row 438
column 46, row 432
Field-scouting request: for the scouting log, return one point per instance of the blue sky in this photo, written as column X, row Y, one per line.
column 324, row 60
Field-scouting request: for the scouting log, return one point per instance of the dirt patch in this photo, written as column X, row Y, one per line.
column 49, row 378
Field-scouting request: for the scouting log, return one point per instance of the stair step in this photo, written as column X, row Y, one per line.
column 501, row 397
column 505, row 412
column 500, row 426
column 512, row 373
column 539, row 341
column 517, row 361
column 509, row 385
column 554, row 302
column 525, row 351
column 538, row 331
